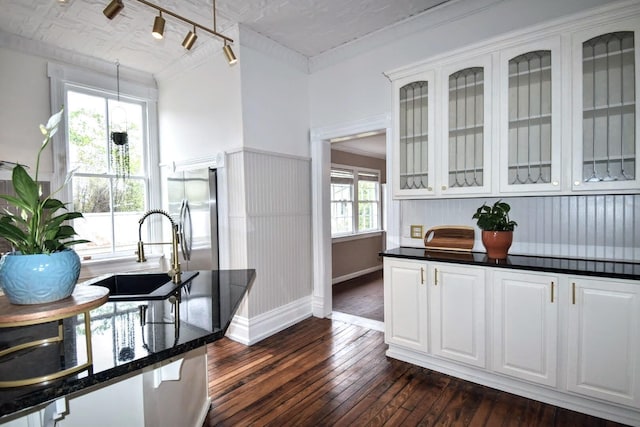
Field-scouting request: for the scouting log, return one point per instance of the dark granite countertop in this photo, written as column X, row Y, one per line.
column 121, row 344
column 577, row 266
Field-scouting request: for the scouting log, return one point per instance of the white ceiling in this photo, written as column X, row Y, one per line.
column 309, row 27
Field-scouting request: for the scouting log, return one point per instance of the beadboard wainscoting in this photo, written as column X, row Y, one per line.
column 270, row 230
column 589, row 226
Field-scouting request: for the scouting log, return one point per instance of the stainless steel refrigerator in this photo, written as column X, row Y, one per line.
column 192, row 199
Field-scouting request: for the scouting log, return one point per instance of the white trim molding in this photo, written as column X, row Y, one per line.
column 249, row 331
column 320, row 203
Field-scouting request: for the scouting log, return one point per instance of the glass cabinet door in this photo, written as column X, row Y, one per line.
column 413, row 149
column 467, row 125
column 606, row 121
column 530, row 118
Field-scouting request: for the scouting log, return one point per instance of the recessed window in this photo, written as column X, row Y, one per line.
column 111, row 203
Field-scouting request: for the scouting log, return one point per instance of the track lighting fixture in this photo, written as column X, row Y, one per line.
column 115, row 6
column 228, row 52
column 158, row 27
column 190, row 39
column 113, row 9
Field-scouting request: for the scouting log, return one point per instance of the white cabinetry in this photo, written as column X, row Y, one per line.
column 561, row 102
column 525, row 326
column 569, row 341
column 413, row 151
column 606, row 87
column 466, row 127
column 604, row 340
column 530, row 117
column 405, row 303
column 457, row 306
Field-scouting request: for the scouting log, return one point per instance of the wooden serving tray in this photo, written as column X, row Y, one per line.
column 450, row 238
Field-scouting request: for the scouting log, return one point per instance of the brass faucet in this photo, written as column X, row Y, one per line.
column 175, row 272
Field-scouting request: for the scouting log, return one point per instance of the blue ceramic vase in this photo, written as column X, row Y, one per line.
column 39, row 278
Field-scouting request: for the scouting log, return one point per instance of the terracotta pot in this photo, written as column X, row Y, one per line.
column 497, row 243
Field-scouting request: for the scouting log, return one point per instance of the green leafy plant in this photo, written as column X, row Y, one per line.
column 494, row 218
column 39, row 228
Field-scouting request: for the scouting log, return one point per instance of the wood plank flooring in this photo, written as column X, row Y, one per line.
column 321, row 372
column 362, row 296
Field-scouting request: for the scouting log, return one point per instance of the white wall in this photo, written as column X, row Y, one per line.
column 275, row 104
column 355, row 88
column 200, row 111
column 24, row 105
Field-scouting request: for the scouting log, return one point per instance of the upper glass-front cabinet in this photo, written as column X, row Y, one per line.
column 466, row 159
column 606, row 128
column 414, row 148
column 530, row 152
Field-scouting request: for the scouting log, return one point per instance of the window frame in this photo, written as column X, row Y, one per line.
column 355, row 170
column 65, row 78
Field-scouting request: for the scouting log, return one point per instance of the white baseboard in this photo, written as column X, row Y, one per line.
column 355, row 274
column 202, row 416
column 249, row 331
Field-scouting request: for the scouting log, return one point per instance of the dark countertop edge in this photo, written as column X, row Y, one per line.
column 65, row 386
column 546, row 269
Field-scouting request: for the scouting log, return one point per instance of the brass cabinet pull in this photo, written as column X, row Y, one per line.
column 552, row 286
column 422, row 275
column 435, row 277
column 573, row 292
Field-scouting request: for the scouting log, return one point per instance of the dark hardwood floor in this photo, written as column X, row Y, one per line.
column 321, row 372
column 362, row 296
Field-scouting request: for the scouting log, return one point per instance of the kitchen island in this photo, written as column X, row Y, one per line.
column 564, row 331
column 135, row 343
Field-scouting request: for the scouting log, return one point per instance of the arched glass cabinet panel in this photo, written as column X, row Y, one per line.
column 530, row 124
column 609, row 108
column 414, row 136
column 466, row 128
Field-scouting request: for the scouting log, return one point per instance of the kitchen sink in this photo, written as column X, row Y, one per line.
column 141, row 286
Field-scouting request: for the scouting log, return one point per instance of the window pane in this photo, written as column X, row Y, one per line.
column 87, row 133
column 341, row 217
column 128, row 207
column 127, row 116
column 91, row 196
column 367, row 216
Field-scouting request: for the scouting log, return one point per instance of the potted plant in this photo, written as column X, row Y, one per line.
column 42, row 267
column 497, row 228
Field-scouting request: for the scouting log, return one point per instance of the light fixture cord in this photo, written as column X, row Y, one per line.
column 118, row 79
column 214, row 17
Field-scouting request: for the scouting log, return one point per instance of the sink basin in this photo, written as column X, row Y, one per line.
column 141, row 286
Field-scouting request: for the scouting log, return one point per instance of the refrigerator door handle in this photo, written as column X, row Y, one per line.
column 186, row 242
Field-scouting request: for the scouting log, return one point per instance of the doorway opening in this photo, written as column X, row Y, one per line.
column 356, row 210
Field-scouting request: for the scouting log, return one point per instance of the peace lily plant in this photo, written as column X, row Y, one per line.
column 38, row 228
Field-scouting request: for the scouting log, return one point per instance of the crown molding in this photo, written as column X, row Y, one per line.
column 257, row 41
column 439, row 15
column 49, row 52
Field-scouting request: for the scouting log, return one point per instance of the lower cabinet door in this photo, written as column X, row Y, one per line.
column 457, row 306
column 604, row 340
column 405, row 304
column 525, row 326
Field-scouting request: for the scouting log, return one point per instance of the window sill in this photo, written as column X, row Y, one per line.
column 348, row 237
column 123, row 264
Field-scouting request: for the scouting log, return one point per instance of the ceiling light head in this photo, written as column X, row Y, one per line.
column 113, row 9
column 158, row 27
column 190, row 39
column 228, row 52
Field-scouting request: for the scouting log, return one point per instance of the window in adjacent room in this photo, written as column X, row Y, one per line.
column 355, row 200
